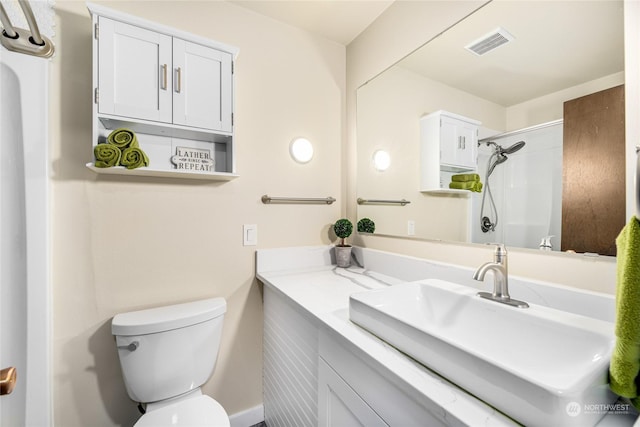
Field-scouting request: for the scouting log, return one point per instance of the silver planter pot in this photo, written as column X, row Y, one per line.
column 343, row 256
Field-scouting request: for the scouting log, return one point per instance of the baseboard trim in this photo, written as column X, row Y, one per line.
column 247, row 418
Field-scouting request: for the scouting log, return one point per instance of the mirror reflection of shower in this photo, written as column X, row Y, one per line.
column 499, row 155
column 526, row 189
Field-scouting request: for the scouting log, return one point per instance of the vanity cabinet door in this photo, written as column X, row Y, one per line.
column 202, row 86
column 340, row 405
column 458, row 143
column 134, row 77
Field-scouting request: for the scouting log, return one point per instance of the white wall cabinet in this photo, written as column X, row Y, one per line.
column 132, row 72
column 448, row 145
column 172, row 88
column 201, row 86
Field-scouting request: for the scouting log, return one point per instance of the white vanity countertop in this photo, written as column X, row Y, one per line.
column 323, row 291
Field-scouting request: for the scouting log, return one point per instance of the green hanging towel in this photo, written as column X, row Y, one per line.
column 123, row 138
column 107, row 155
column 134, row 157
column 625, row 360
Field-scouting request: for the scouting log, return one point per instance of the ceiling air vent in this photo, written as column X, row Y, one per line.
column 490, row 41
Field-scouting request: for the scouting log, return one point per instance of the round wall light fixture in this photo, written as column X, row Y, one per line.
column 301, row 150
column 381, row 160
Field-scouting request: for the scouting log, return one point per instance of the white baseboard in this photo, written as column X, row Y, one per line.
column 247, row 418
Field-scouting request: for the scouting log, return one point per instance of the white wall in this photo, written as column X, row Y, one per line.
column 550, row 107
column 632, row 99
column 404, row 28
column 124, row 243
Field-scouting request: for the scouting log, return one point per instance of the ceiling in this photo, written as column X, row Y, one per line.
column 337, row 20
column 556, row 45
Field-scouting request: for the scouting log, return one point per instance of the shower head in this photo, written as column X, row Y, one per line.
column 512, row 149
column 499, row 158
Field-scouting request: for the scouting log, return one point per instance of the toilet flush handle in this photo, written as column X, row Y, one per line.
column 131, row 347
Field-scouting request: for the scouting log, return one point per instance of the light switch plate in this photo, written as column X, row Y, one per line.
column 249, row 234
column 411, row 228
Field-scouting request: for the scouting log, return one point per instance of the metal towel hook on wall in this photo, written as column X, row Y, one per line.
column 29, row 42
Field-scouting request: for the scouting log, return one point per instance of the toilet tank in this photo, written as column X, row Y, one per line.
column 168, row 351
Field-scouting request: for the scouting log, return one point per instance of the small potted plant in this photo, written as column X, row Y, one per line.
column 366, row 225
column 343, row 228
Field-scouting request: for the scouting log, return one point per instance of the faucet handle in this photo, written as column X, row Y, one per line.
column 500, row 253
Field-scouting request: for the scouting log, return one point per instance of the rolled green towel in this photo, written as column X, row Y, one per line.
column 465, row 177
column 625, row 360
column 134, row 157
column 123, row 138
column 475, row 186
column 107, row 155
column 462, row 185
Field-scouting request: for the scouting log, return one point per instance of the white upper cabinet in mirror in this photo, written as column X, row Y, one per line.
column 559, row 51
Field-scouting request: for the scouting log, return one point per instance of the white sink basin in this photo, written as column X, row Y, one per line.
column 538, row 365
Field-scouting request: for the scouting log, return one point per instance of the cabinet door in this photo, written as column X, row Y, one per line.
column 134, row 72
column 339, row 405
column 458, row 143
column 467, row 138
column 202, row 86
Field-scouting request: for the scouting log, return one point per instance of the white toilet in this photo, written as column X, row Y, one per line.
column 166, row 354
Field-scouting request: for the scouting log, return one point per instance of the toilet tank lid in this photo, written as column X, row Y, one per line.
column 166, row 318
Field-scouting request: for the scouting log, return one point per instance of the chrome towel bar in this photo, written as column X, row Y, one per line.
column 402, row 202
column 268, row 199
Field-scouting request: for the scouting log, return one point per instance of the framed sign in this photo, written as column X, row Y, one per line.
column 193, row 159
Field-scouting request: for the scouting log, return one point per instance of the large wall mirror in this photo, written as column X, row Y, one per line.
column 550, row 54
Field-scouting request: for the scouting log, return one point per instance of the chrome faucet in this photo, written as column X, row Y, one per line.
column 500, row 279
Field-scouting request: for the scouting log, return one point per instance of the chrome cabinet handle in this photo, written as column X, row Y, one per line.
column 163, row 85
column 8, row 378
column 131, row 347
column 179, row 82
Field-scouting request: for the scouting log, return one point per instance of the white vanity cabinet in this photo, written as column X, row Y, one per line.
column 314, row 377
column 174, row 89
column 373, row 396
column 339, row 404
column 448, row 145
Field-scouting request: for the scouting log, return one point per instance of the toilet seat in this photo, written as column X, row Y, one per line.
column 197, row 411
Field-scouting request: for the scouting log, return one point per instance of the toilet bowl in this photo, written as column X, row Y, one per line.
column 197, row 411
column 166, row 355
